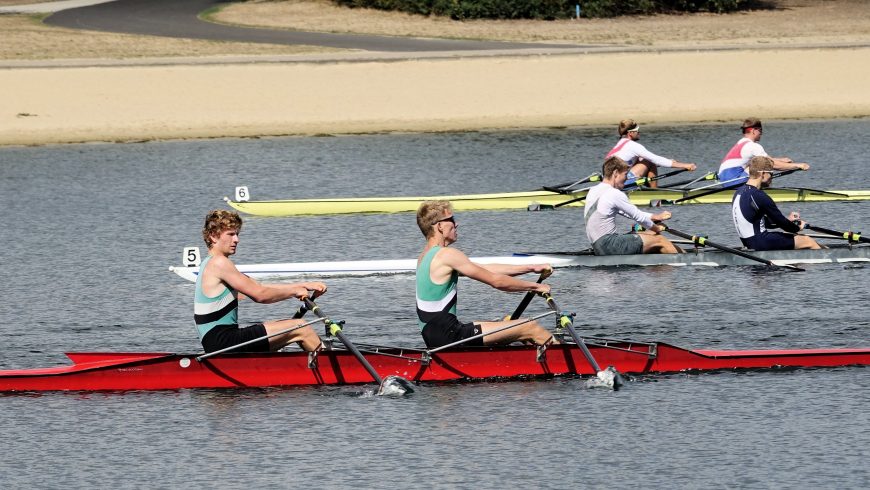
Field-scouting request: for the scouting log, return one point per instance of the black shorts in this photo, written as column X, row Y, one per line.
column 446, row 329
column 223, row 336
column 771, row 240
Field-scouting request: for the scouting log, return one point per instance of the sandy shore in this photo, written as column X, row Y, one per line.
column 59, row 105
column 194, row 89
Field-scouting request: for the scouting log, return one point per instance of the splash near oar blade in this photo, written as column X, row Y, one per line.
column 394, row 385
column 607, row 378
column 391, row 385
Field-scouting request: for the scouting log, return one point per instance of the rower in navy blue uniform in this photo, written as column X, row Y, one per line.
column 754, row 212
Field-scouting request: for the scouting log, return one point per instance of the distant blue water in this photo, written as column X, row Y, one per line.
column 90, row 231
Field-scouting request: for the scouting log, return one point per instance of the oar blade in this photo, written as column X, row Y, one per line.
column 392, row 385
column 536, row 206
column 395, row 386
column 792, row 268
column 606, row 378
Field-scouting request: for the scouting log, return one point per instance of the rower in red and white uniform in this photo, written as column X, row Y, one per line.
column 754, row 212
column 733, row 170
column 605, row 201
column 642, row 162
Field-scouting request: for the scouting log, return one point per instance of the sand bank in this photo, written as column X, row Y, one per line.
column 130, row 103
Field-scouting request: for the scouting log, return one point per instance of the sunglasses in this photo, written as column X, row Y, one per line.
column 448, row 219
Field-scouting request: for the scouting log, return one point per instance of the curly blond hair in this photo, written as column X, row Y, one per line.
column 217, row 221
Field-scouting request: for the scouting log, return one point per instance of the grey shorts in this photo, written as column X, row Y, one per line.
column 615, row 244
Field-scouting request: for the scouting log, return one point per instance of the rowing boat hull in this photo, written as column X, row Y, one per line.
column 162, row 371
column 508, row 200
column 835, row 254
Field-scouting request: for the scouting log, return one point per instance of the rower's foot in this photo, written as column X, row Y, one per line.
column 551, row 341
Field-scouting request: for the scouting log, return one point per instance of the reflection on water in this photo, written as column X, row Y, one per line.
column 91, row 229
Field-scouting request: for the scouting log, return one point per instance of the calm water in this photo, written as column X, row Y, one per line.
column 91, row 229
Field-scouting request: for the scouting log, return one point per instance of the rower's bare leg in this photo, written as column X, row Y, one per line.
column 306, row 337
column 653, row 173
column 527, row 332
column 657, row 244
column 803, row 242
column 639, row 170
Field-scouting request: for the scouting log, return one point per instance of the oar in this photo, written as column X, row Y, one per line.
column 303, row 309
column 528, row 297
column 546, row 207
column 609, row 377
column 700, row 240
column 388, row 385
column 564, row 188
column 640, row 182
column 846, row 235
column 689, row 196
column 685, row 183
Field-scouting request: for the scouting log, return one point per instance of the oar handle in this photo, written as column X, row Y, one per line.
column 686, row 183
column 527, row 299
column 334, row 329
column 566, row 322
column 847, row 235
column 646, row 180
column 303, row 309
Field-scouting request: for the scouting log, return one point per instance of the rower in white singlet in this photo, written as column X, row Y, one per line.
column 642, row 162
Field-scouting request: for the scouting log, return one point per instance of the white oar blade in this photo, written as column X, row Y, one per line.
column 608, row 378
column 395, row 386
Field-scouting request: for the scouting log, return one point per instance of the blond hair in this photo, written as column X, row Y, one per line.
column 612, row 165
column 759, row 164
column 627, row 125
column 218, row 221
column 431, row 212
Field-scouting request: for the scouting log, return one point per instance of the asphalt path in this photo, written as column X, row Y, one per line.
column 179, row 18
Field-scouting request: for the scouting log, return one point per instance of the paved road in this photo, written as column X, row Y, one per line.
column 47, row 7
column 178, row 18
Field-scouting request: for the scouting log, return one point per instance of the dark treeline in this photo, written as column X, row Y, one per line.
column 551, row 9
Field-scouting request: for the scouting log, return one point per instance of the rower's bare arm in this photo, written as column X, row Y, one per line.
column 658, row 218
column 459, row 262
column 691, row 167
column 261, row 293
column 317, row 287
column 783, row 163
column 516, row 270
